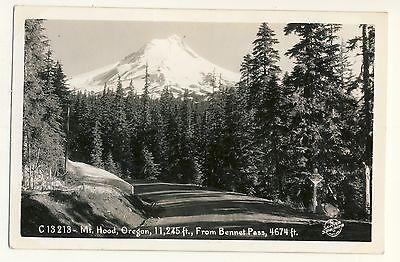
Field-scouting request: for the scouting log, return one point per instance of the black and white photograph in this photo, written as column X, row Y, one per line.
column 252, row 131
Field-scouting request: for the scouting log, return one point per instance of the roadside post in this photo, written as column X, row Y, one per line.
column 367, row 189
column 315, row 178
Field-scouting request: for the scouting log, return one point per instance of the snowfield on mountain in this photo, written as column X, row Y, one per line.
column 171, row 63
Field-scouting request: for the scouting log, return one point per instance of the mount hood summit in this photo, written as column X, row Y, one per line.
column 170, row 63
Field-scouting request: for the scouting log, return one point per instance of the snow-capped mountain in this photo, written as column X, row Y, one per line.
column 171, row 62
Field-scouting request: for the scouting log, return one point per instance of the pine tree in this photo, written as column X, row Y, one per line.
column 246, row 80
column 105, row 106
column 131, row 88
column 366, row 44
column 363, row 131
column 42, row 119
column 169, row 137
column 111, row 166
column 322, row 106
column 80, row 129
column 150, row 168
column 188, row 167
column 145, row 110
column 132, row 112
column 60, row 85
column 120, row 127
column 264, row 100
column 213, row 163
column 162, row 136
column 97, row 147
column 119, row 93
column 232, row 153
column 198, row 141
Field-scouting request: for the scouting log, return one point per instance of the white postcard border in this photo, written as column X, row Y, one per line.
column 191, row 15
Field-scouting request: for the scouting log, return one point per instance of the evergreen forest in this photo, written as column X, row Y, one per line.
column 263, row 136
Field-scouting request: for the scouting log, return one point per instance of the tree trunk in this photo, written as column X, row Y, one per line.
column 367, row 97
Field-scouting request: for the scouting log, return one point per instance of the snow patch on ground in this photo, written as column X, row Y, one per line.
column 88, row 174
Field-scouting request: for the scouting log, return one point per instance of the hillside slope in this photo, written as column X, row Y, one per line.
column 94, row 197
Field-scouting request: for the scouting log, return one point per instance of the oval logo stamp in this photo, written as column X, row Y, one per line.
column 333, row 227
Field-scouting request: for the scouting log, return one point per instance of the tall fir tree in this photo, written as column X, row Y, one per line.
column 111, row 166
column 366, row 44
column 120, row 127
column 265, row 100
column 321, row 105
column 188, row 166
column 145, row 110
column 60, row 86
column 213, row 163
column 96, row 154
column 43, row 134
column 232, row 153
column 150, row 170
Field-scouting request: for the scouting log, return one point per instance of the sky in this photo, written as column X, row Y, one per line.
column 83, row 46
